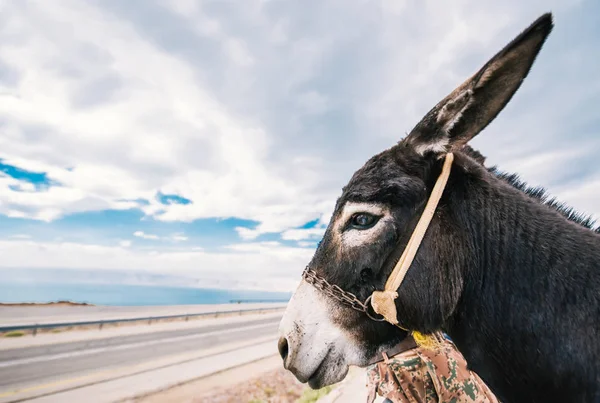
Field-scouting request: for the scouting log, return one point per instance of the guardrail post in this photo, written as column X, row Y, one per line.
column 186, row 317
column 35, row 330
column 100, row 326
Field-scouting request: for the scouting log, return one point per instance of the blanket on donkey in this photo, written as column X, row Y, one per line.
column 427, row 375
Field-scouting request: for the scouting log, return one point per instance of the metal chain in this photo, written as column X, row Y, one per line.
column 338, row 294
column 333, row 290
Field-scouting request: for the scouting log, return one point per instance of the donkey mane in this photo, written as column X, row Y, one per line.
column 536, row 192
column 541, row 194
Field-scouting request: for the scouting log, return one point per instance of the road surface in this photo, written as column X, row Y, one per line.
column 112, row 368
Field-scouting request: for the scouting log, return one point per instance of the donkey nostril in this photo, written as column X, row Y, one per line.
column 282, row 345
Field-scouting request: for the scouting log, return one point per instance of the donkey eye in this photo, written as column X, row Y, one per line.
column 363, row 221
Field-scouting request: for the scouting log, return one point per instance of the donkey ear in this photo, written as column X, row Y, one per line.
column 474, row 104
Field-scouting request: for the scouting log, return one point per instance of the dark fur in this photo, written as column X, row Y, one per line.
column 510, row 274
column 540, row 194
column 537, row 192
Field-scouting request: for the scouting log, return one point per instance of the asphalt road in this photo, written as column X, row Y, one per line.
column 24, row 368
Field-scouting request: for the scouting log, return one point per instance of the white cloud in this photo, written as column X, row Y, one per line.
column 304, row 244
column 20, row 236
column 133, row 117
column 238, row 53
column 143, row 235
column 301, row 234
column 313, row 102
column 145, row 139
column 247, row 233
column 179, row 237
column 266, row 266
column 263, row 112
column 125, row 243
column 174, row 238
column 267, row 246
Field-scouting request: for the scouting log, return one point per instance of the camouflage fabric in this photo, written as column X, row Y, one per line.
column 427, row 375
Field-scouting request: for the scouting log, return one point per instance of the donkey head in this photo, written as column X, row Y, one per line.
column 375, row 216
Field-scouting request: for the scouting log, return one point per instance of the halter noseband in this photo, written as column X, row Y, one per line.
column 382, row 302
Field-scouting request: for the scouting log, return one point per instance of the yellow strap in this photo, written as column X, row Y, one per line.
column 383, row 301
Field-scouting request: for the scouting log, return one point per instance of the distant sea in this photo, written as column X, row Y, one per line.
column 128, row 295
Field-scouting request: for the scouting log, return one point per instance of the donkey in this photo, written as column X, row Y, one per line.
column 510, row 275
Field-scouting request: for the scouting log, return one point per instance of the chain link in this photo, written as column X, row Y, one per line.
column 334, row 291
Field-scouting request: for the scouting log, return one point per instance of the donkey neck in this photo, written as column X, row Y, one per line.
column 530, row 301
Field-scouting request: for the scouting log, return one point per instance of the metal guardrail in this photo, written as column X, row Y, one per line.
column 254, row 301
column 149, row 319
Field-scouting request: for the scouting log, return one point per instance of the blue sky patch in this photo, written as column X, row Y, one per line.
column 39, row 179
column 310, row 224
column 171, row 199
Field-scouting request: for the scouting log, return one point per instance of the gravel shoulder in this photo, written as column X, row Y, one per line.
column 263, row 380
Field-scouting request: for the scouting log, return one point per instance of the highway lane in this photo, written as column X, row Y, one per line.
column 25, row 367
column 8, row 356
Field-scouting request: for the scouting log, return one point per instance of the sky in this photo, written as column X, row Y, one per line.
column 209, row 140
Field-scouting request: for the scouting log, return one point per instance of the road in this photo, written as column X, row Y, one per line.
column 49, row 370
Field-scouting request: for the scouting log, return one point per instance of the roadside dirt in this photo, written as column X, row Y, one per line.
column 261, row 381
